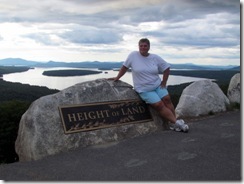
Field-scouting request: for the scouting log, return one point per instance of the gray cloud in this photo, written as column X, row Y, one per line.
column 184, row 23
column 89, row 35
column 42, row 38
column 178, row 10
column 85, row 11
column 60, row 10
column 216, row 28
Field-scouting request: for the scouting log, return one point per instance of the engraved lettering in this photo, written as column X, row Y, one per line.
column 86, row 118
column 142, row 109
column 135, row 110
column 80, row 116
column 72, row 116
column 100, row 114
column 123, row 112
column 91, row 115
column 129, row 111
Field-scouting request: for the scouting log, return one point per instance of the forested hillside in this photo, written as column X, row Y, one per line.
column 221, row 76
column 15, row 99
column 24, row 92
column 12, row 69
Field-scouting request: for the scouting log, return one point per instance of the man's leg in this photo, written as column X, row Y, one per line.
column 164, row 111
column 180, row 124
column 168, row 103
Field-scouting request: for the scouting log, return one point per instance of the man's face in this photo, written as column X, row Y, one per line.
column 144, row 48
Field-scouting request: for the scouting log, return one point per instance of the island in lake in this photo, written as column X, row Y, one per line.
column 67, row 73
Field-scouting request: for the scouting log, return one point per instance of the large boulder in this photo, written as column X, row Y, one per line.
column 41, row 132
column 201, row 98
column 234, row 89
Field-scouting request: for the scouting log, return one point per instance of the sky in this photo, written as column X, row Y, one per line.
column 180, row 31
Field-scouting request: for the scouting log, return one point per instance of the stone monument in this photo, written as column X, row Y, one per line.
column 42, row 127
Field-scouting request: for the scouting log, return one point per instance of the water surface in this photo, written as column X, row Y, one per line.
column 35, row 77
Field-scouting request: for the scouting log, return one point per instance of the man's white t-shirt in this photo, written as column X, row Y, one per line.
column 145, row 70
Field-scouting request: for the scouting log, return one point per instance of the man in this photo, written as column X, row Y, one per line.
column 146, row 68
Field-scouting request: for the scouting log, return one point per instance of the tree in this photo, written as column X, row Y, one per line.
column 10, row 115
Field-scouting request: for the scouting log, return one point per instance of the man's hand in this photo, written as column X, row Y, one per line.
column 163, row 84
column 113, row 78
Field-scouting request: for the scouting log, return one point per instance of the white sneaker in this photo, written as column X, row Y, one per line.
column 181, row 126
column 175, row 128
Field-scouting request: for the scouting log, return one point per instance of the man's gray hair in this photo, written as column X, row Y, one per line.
column 144, row 40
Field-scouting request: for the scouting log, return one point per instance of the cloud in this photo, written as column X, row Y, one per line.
column 42, row 38
column 92, row 35
column 213, row 30
column 103, row 25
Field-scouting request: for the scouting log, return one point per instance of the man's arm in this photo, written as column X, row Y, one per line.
column 122, row 71
column 165, row 77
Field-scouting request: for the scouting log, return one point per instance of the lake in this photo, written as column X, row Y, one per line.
column 35, row 77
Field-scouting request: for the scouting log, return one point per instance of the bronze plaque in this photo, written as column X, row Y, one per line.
column 86, row 117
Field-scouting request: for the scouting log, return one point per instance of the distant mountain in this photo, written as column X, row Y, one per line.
column 188, row 66
column 203, row 67
column 103, row 65
column 236, row 68
column 228, row 67
column 17, row 62
column 84, row 64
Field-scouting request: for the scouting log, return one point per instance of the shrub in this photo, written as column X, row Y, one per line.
column 10, row 115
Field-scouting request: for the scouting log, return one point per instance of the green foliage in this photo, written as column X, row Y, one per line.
column 234, row 106
column 224, row 87
column 176, row 91
column 221, row 76
column 10, row 114
column 65, row 73
column 15, row 99
column 12, row 69
column 25, row 92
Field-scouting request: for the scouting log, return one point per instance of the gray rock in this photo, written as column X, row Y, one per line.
column 234, row 89
column 41, row 132
column 201, row 98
